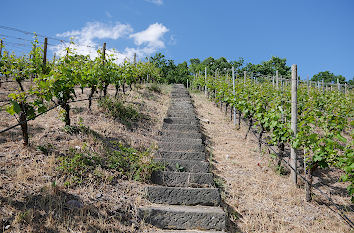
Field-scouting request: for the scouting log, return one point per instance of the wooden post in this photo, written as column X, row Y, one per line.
column 187, row 83
column 338, row 84
column 0, row 48
column 277, row 78
column 273, row 81
column 205, row 78
column 134, row 58
column 293, row 156
column 104, row 52
column 345, row 88
column 233, row 92
column 323, row 86
column 244, row 76
column 281, row 82
column 308, row 176
column 45, row 52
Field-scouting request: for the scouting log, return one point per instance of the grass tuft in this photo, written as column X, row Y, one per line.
column 154, row 87
column 116, row 109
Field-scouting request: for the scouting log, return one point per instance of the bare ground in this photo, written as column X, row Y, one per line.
column 33, row 194
column 259, row 199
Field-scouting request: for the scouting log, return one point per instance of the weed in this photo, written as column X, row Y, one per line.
column 234, row 216
column 78, row 163
column 25, row 216
column 180, row 168
column 46, row 148
column 78, row 109
column 154, row 87
column 219, row 183
column 116, row 109
column 138, row 86
column 130, row 163
column 71, row 129
column 280, row 170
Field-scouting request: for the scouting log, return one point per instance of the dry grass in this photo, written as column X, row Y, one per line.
column 33, row 197
column 261, row 199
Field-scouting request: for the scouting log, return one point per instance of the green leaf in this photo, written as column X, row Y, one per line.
column 341, row 138
column 14, row 108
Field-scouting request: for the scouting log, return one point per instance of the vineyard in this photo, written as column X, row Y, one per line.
column 53, row 83
column 308, row 131
column 324, row 133
column 87, row 127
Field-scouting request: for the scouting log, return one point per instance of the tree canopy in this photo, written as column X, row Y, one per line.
column 172, row 72
column 328, row 77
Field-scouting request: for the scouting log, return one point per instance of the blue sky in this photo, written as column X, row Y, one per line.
column 317, row 35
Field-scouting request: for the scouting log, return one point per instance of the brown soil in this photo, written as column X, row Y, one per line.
column 33, row 194
column 259, row 199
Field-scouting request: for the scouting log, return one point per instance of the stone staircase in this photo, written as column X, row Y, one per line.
column 184, row 197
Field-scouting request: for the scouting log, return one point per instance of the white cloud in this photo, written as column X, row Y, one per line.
column 157, row 2
column 99, row 30
column 148, row 41
column 152, row 36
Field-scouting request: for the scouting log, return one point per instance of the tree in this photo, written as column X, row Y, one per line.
column 274, row 64
column 351, row 82
column 237, row 64
column 267, row 68
column 179, row 74
column 328, row 77
column 195, row 65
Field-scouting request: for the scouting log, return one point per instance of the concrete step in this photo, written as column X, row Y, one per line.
column 181, row 114
column 183, row 195
column 180, row 96
column 181, row 109
column 179, row 103
column 191, row 113
column 180, row 140
column 179, row 134
column 181, row 127
column 172, row 146
column 184, row 231
column 180, row 120
column 182, row 179
column 183, row 155
column 181, row 100
column 179, row 165
column 184, row 217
